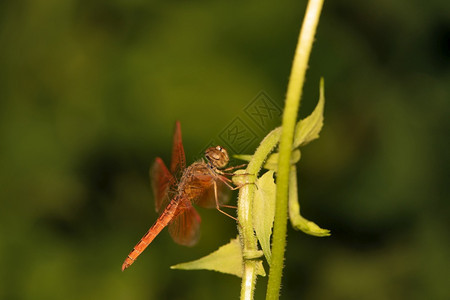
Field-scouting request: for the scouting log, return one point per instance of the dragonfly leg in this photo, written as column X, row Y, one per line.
column 228, row 206
column 227, row 182
column 218, row 204
column 224, row 171
column 234, row 167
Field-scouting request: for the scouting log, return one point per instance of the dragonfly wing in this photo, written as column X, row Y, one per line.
column 178, row 163
column 161, row 181
column 185, row 227
column 207, row 198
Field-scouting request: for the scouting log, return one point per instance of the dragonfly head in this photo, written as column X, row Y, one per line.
column 217, row 156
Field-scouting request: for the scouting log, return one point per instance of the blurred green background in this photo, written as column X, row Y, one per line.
column 90, row 90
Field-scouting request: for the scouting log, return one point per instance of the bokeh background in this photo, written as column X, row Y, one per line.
column 90, row 90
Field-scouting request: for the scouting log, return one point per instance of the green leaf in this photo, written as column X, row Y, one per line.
column 272, row 161
column 309, row 128
column 227, row 259
column 264, row 211
column 245, row 157
column 297, row 221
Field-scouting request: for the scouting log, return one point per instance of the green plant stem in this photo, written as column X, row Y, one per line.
column 245, row 217
column 293, row 97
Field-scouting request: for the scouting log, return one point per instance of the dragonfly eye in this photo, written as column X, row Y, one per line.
column 217, row 156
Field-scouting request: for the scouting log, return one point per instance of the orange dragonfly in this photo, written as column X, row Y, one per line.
column 177, row 190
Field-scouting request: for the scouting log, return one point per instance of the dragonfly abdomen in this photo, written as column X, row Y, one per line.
column 159, row 225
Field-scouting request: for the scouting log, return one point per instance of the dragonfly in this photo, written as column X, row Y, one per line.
column 175, row 192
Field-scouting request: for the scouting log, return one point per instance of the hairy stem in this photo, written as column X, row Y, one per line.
column 293, row 96
column 245, row 217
